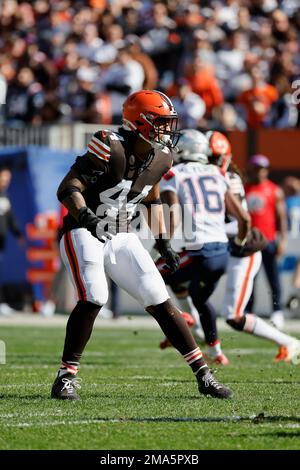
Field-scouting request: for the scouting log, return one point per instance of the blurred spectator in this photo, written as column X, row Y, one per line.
column 258, row 99
column 158, row 41
column 283, row 113
column 150, row 71
column 7, row 223
column 203, row 82
column 25, row 98
column 189, row 106
column 121, row 79
column 239, row 57
column 291, row 188
column 267, row 209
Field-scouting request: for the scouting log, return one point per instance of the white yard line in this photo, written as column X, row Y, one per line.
column 223, row 419
column 125, row 321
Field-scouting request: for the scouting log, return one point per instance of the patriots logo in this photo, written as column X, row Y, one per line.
column 255, row 203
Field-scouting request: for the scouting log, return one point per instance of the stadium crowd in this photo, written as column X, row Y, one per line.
column 227, row 64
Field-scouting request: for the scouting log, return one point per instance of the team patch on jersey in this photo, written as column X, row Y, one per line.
column 98, row 148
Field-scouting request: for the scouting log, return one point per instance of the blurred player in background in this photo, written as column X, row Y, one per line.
column 267, row 209
column 7, row 223
column 119, row 170
column 204, row 196
column 244, row 263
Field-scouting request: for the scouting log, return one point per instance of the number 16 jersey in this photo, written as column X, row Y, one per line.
column 201, row 192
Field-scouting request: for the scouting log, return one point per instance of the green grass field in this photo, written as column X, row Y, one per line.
column 135, row 396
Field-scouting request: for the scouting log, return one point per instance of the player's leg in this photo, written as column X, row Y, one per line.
column 206, row 273
column 185, row 303
column 240, row 275
column 82, row 255
column 178, row 283
column 270, row 264
column 136, row 273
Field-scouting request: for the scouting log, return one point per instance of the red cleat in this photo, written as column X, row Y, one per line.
column 282, row 354
column 188, row 318
column 221, row 359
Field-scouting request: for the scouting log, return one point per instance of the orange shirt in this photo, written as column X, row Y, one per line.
column 205, row 84
column 257, row 102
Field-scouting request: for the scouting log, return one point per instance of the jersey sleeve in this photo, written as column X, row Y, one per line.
column 169, row 182
column 99, row 146
column 95, row 162
column 237, row 188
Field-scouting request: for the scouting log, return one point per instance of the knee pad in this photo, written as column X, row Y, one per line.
column 237, row 324
column 97, row 296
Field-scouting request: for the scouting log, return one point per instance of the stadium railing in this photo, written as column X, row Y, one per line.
column 60, row 136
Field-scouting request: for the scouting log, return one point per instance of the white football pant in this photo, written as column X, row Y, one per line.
column 123, row 259
column 239, row 284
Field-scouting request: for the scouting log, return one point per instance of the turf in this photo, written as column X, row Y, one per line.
column 135, row 396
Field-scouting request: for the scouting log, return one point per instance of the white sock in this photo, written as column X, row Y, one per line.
column 214, row 349
column 194, row 312
column 258, row 327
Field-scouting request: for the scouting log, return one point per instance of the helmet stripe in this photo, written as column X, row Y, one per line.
column 167, row 99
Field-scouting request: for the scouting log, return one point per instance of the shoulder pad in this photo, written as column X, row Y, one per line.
column 100, row 144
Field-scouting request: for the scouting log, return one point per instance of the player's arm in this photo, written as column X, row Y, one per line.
column 170, row 199
column 156, row 222
column 155, row 215
column 234, row 208
column 69, row 193
column 282, row 221
column 70, row 190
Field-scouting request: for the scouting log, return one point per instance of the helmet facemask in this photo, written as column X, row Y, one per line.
column 162, row 132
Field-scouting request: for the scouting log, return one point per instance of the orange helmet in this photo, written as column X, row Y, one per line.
column 220, row 150
column 152, row 116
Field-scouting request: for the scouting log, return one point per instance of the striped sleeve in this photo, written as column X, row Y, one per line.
column 98, row 146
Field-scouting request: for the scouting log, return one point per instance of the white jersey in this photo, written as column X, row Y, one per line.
column 236, row 187
column 201, row 192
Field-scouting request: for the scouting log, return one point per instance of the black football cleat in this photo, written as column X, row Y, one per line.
column 208, row 385
column 64, row 387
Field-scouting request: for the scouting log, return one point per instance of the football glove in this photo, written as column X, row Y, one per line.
column 255, row 241
column 166, row 251
column 96, row 226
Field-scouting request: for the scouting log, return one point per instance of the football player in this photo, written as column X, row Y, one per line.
column 101, row 192
column 203, row 195
column 244, row 262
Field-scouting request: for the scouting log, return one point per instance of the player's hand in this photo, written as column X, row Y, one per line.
column 172, row 259
column 236, row 247
column 96, row 226
column 166, row 251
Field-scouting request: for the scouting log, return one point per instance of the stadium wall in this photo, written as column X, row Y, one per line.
column 36, row 173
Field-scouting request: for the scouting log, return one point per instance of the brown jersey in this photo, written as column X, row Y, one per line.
column 117, row 181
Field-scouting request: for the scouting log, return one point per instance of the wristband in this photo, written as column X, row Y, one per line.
column 240, row 242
